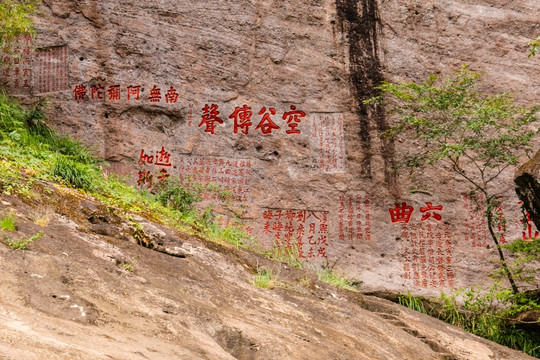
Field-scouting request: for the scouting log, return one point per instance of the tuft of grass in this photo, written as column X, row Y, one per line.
column 328, row 276
column 74, row 173
column 173, row 195
column 22, row 243
column 42, row 218
column 7, row 222
column 130, row 267
column 305, row 281
column 138, row 233
column 266, row 279
column 288, row 255
column 412, row 302
column 232, row 233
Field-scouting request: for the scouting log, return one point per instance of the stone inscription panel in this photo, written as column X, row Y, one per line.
column 307, row 230
column 354, row 218
column 327, row 142
column 51, row 69
column 230, row 174
column 427, row 254
column 427, row 245
column 16, row 65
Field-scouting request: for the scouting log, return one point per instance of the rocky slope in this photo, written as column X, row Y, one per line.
column 69, row 297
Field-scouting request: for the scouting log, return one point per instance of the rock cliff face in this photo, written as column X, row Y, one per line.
column 265, row 98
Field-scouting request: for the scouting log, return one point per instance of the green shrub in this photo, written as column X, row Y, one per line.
column 23, row 242
column 74, row 173
column 173, row 194
column 266, row 279
column 491, row 315
column 15, row 19
column 7, row 222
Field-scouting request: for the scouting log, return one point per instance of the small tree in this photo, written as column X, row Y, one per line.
column 478, row 136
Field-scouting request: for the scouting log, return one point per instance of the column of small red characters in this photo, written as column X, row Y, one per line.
column 299, row 226
column 16, row 62
column 358, row 208
column 475, row 222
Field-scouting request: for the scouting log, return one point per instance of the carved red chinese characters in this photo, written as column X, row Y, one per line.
column 401, row 213
column 266, row 125
column 304, row 230
column 210, row 118
column 241, row 117
column 293, row 119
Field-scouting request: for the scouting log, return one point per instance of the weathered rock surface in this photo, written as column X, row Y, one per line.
column 528, row 187
column 69, row 297
column 322, row 57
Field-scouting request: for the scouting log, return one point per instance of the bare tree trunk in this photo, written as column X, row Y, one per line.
column 489, row 215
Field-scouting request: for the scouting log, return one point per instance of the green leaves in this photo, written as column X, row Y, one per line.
column 535, row 44
column 477, row 135
column 452, row 121
column 15, row 19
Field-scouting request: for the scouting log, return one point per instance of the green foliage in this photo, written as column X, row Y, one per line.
column 534, row 45
column 26, row 139
column 15, row 19
column 75, row 173
column 138, row 233
column 476, row 135
column 328, row 276
column 22, row 243
column 266, row 279
column 412, row 302
column 491, row 315
column 525, row 266
column 173, row 194
column 129, row 266
column 7, row 222
column 207, row 217
column 457, row 124
column 288, row 255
